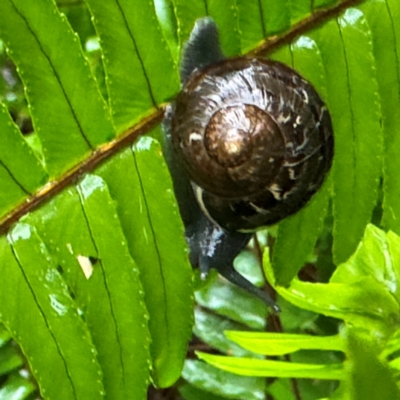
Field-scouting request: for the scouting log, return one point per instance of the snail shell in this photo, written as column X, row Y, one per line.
column 255, row 139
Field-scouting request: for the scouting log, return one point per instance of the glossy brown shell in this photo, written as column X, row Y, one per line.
column 255, row 139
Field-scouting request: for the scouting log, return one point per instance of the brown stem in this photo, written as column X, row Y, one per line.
column 97, row 157
column 314, row 20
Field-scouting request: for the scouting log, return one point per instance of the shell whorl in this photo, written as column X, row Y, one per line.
column 255, row 139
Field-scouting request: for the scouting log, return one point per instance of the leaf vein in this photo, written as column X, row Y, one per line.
column 55, row 74
column 100, row 262
column 14, row 179
column 155, row 246
column 138, row 54
column 45, row 320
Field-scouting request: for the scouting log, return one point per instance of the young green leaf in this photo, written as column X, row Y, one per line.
column 280, row 343
column 267, row 368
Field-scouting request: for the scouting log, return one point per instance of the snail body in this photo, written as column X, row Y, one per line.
column 248, row 142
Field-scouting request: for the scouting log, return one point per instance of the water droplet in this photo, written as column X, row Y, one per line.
column 57, row 306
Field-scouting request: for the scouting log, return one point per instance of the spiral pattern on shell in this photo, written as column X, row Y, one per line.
column 255, row 139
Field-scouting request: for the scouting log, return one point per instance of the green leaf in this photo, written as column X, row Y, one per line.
column 247, row 263
column 276, row 16
column 76, row 242
column 224, row 13
column 186, row 15
column 151, row 223
column 210, row 329
column 393, row 242
column 44, row 306
column 371, row 379
column 390, row 351
column 17, row 157
column 281, row 389
column 374, row 257
column 324, row 3
column 117, row 318
column 16, row 388
column 72, row 96
column 234, row 303
column 299, row 10
column 281, row 343
column 357, row 163
column 364, row 302
column 218, row 382
column 168, row 23
column 12, row 193
column 297, row 236
column 189, row 392
column 269, row 368
column 383, row 18
column 4, row 335
column 123, row 287
column 140, row 75
column 251, row 24
column 9, row 359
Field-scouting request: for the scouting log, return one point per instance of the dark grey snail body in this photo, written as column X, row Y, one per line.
column 253, row 140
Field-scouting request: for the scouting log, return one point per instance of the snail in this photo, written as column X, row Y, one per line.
column 248, row 143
